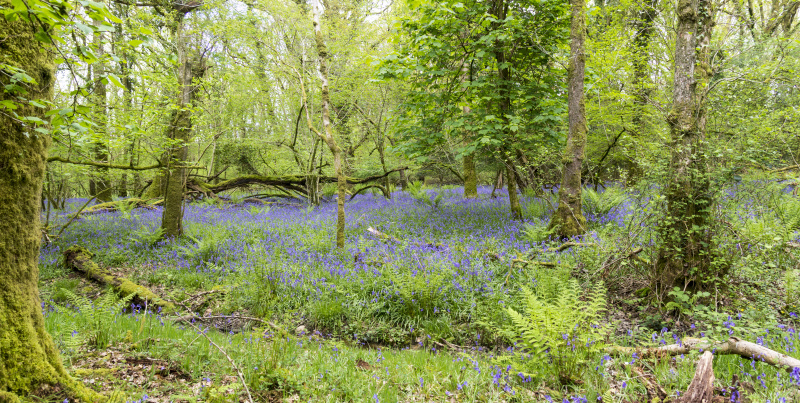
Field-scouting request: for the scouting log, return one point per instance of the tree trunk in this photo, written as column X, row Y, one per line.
column 189, row 69
column 701, row 389
column 470, row 177
column 685, row 251
column 643, row 25
column 504, row 85
column 568, row 220
column 338, row 163
column 100, row 185
column 28, row 357
column 513, row 197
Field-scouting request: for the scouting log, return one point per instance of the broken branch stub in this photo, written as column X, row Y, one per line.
column 701, row 390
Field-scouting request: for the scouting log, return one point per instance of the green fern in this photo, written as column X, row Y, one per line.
column 204, row 248
column 417, row 191
column 564, row 331
column 96, row 317
column 537, row 233
column 788, row 209
column 602, row 203
column 146, row 237
column 416, row 294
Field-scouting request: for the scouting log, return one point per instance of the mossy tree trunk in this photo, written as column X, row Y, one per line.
column 28, row 357
column 568, row 220
column 470, row 177
column 190, row 68
column 685, row 253
column 338, row 162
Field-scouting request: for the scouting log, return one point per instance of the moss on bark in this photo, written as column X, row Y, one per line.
column 568, row 220
column 28, row 357
column 470, row 177
column 80, row 259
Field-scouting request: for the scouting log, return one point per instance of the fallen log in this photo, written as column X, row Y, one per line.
column 115, row 205
column 79, row 259
column 701, row 389
column 296, row 183
column 733, row 345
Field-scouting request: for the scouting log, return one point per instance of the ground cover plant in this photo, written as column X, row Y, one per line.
column 413, row 200
column 457, row 303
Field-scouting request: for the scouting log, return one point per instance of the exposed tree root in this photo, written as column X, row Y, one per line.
column 733, row 345
column 79, row 259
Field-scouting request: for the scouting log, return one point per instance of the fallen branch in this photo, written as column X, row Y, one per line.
column 230, row 360
column 79, row 259
column 379, row 187
column 568, row 245
column 654, row 390
column 115, row 205
column 610, row 263
column 185, row 319
column 382, row 236
column 789, row 168
column 534, row 262
column 74, row 216
column 733, row 345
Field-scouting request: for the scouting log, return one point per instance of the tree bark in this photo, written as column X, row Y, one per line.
column 701, row 389
column 80, row 260
column 190, row 68
column 470, row 177
column 338, row 163
column 100, row 185
column 643, row 25
column 685, row 253
column 28, row 357
column 568, row 220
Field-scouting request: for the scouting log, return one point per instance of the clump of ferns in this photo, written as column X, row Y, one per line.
column 558, row 336
column 95, row 318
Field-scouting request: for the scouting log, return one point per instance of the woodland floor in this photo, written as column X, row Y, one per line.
column 416, row 317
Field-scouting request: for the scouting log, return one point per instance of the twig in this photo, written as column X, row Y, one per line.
column 250, row 318
column 568, row 245
column 74, row 216
column 233, row 363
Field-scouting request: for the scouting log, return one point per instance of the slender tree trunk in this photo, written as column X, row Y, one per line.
column 686, row 248
column 28, row 357
column 100, row 185
column 189, row 68
column 504, row 85
column 403, row 179
column 568, row 219
column 338, row 160
column 644, row 27
column 513, row 197
column 470, row 177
